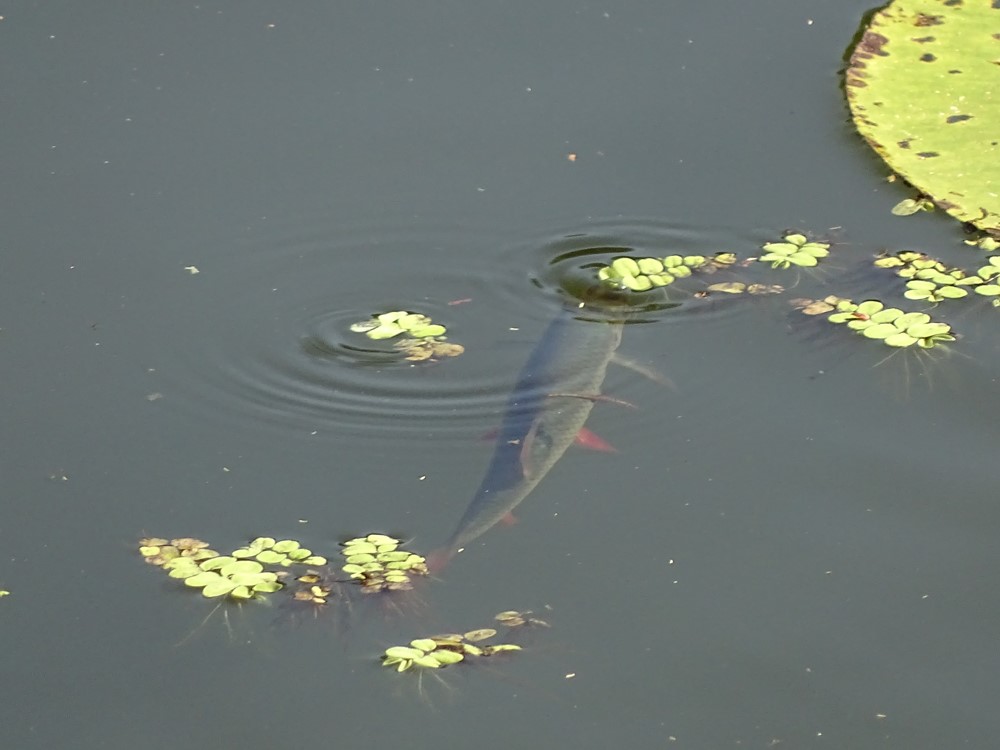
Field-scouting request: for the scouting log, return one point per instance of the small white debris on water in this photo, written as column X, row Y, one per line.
column 571, row 675
column 192, row 270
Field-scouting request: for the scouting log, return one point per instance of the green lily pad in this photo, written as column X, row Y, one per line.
column 922, row 86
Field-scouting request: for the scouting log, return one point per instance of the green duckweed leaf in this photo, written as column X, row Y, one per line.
column 626, row 267
column 384, row 332
column 780, row 248
column 952, row 292
column 241, row 566
column 907, row 207
column 270, row 557
column 360, row 546
column 928, row 330
column 427, row 331
column 637, row 283
column 393, row 556
column 239, row 592
column 445, row 657
column 268, row 587
column 909, row 319
column 879, row 331
column 216, row 563
column 888, row 315
column 412, row 320
column 650, row 266
column 900, row 339
column 361, row 559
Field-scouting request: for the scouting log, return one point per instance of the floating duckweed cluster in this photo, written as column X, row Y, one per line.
column 156, row 551
column 929, row 279
column 890, row 325
column 285, row 552
column 391, row 324
column 377, row 563
column 988, row 243
column 642, row 274
column 444, row 650
column 225, row 576
column 242, row 574
column 990, row 274
column 421, row 339
column 796, row 250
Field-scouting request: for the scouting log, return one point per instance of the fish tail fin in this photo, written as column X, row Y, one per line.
column 438, row 560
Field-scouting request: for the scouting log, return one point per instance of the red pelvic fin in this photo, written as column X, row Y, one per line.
column 588, row 439
column 509, row 520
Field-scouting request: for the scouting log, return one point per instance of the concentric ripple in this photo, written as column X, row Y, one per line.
column 272, row 342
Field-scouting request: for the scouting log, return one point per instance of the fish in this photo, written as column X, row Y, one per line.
column 545, row 412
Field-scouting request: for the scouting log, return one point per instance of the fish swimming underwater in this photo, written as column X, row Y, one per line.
column 546, row 411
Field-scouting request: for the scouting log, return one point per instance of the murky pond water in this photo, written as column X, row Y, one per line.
column 794, row 541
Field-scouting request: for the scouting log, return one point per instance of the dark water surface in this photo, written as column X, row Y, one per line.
column 791, row 545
